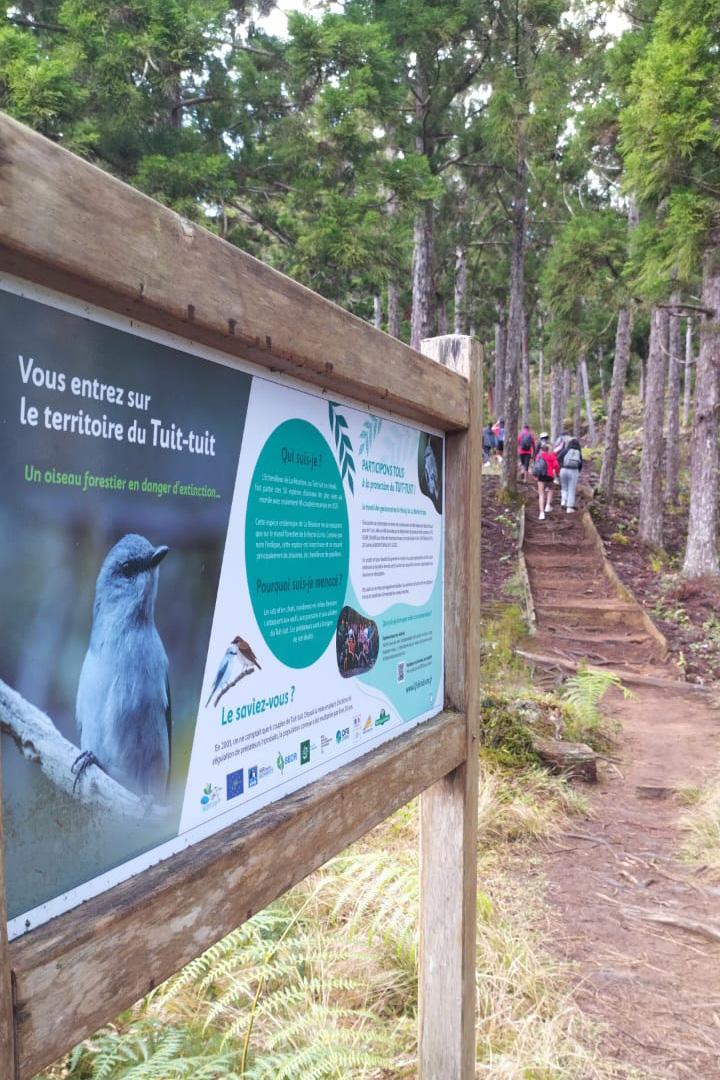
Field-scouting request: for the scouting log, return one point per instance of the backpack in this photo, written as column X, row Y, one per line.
column 526, row 442
column 540, row 469
column 572, row 458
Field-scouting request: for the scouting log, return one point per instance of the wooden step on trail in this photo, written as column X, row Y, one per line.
column 581, row 613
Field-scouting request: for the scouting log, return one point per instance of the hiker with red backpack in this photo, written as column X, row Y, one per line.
column 545, row 468
column 526, row 450
column 571, row 462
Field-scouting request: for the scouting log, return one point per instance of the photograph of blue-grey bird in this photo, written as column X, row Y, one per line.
column 94, row 613
column 430, row 468
column 123, row 698
column 238, row 662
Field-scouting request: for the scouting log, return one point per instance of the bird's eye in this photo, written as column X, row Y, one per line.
column 127, row 568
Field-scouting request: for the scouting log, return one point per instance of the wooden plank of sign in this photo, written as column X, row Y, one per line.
column 448, row 809
column 81, row 969
column 7, row 1024
column 70, row 226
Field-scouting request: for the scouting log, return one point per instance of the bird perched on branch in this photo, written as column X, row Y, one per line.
column 239, row 660
column 123, row 698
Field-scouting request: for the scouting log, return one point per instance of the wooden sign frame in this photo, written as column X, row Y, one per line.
column 69, row 226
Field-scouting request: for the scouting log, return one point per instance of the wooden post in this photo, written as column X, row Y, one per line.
column 8, row 1064
column 448, row 809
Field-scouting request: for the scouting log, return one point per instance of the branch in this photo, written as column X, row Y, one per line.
column 256, row 52
column 686, row 307
column 243, row 673
column 261, row 224
column 201, row 99
column 38, row 740
column 33, row 24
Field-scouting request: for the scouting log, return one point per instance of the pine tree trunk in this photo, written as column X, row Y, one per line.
column 377, row 311
column 516, row 321
column 442, row 321
column 687, row 374
column 421, row 319
column 526, row 371
column 567, row 388
column 460, row 320
column 672, row 423
column 701, row 554
column 541, row 384
column 393, row 309
column 651, row 473
column 393, row 289
column 577, row 414
column 592, row 434
column 601, row 373
column 556, row 400
column 623, row 337
column 500, row 356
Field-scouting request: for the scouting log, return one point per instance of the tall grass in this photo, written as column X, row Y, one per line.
column 701, row 825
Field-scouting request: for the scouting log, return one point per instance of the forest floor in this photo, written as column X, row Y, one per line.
column 685, row 612
column 638, row 927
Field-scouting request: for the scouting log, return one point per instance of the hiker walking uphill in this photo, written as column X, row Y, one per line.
column 489, row 443
column 499, row 433
column 571, row 462
column 526, row 450
column 545, row 469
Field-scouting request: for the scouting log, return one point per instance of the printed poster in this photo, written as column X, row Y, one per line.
column 217, row 586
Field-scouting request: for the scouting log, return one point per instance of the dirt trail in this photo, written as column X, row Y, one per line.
column 636, row 924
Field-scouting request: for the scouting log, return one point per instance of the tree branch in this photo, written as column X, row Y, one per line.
column 201, row 99
column 686, row 307
column 39, row 741
column 34, row 24
column 243, row 673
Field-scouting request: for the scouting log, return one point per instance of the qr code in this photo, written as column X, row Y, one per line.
column 401, row 671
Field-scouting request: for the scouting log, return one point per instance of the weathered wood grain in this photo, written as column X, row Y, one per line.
column 7, row 1012
column 68, row 225
column 448, row 818
column 79, row 970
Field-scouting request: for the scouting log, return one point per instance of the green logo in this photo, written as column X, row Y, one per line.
column 382, row 719
column 280, row 762
column 305, row 752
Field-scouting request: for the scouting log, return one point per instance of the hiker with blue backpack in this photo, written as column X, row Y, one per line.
column 526, row 450
column 571, row 462
column 545, row 468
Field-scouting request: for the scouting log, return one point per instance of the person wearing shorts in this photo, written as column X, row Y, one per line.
column 526, row 450
column 545, row 482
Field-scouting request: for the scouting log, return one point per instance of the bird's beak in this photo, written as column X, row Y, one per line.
column 158, row 554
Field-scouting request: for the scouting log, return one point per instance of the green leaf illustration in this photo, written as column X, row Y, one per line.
column 369, row 433
column 339, row 427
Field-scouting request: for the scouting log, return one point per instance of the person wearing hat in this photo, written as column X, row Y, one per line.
column 545, row 468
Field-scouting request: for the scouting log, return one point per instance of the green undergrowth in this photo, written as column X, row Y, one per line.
column 514, row 710
column 701, row 828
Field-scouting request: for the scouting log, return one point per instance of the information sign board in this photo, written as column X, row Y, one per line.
column 218, row 585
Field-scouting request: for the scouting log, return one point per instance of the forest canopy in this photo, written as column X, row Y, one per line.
column 542, row 174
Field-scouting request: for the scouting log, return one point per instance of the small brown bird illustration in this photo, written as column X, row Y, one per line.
column 245, row 650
